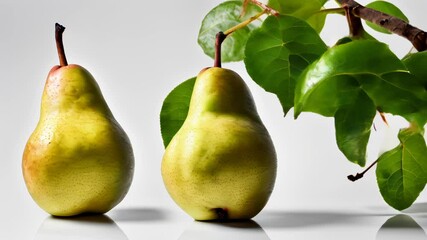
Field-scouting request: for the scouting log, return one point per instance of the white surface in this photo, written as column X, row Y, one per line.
column 138, row 51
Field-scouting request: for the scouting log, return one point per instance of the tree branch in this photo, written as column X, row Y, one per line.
column 416, row 36
column 354, row 23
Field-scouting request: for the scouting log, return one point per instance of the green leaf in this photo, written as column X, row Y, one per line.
column 220, row 19
column 387, row 8
column 175, row 109
column 278, row 52
column 307, row 10
column 384, row 78
column 416, row 64
column 350, row 83
column 402, row 171
column 325, row 85
column 317, row 21
column 397, row 93
column 353, row 124
column 297, row 8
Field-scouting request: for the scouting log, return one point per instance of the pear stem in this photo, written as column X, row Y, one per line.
column 59, row 30
column 220, row 37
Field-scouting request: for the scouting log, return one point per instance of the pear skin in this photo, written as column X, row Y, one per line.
column 78, row 159
column 221, row 164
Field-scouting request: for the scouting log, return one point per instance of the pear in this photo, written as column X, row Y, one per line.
column 78, row 159
column 221, row 164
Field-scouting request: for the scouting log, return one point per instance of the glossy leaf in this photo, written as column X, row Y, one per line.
column 307, row 10
column 353, row 124
column 387, row 8
column 175, row 109
column 324, row 86
column 222, row 18
column 384, row 78
column 402, row 171
column 350, row 83
column 278, row 52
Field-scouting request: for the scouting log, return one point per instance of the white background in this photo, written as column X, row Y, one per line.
column 138, row 51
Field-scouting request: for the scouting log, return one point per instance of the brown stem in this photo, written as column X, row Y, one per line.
column 360, row 175
column 383, row 118
column 59, row 30
column 416, row 36
column 220, row 37
column 354, row 23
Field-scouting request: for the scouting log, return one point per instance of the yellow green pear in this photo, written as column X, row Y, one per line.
column 221, row 164
column 78, row 159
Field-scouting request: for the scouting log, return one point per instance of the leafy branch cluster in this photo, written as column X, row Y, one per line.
column 350, row 81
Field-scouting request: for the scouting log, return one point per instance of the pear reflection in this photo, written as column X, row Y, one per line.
column 248, row 230
column 81, row 228
column 401, row 227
